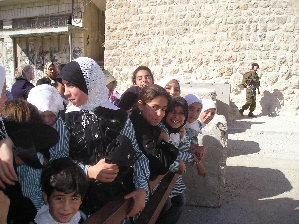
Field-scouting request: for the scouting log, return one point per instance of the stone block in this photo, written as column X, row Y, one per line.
column 208, row 191
column 218, row 92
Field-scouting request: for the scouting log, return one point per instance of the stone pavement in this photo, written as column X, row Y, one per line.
column 262, row 174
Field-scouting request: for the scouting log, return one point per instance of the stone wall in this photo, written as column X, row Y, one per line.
column 209, row 41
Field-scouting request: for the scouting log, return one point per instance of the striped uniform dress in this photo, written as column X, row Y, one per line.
column 29, row 177
column 183, row 144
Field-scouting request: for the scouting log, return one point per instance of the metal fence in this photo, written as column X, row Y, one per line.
column 40, row 22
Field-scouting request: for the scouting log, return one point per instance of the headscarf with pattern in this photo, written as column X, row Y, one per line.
column 87, row 75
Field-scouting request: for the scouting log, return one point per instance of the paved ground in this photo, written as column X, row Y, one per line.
column 262, row 174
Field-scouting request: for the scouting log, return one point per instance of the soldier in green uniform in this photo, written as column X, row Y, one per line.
column 251, row 82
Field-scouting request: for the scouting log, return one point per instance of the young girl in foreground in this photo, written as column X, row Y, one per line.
column 64, row 184
column 93, row 122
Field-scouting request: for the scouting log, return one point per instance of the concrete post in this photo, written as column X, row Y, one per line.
column 208, row 191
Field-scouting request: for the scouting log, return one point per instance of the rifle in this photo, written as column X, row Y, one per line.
column 252, row 88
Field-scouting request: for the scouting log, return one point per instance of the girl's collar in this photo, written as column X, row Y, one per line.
column 43, row 216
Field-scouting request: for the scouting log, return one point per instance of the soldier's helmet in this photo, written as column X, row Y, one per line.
column 255, row 64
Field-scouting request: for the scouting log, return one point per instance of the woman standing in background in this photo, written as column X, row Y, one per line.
column 23, row 75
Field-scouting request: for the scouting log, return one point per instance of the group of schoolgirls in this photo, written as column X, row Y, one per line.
column 118, row 151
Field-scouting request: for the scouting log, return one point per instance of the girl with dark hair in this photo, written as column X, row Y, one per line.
column 149, row 110
column 142, row 76
column 173, row 124
column 21, row 111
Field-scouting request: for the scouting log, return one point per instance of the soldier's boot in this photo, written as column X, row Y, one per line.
column 241, row 111
column 251, row 114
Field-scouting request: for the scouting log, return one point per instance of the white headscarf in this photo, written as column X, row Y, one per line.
column 208, row 104
column 46, row 98
column 192, row 98
column 2, row 77
column 166, row 79
column 95, row 82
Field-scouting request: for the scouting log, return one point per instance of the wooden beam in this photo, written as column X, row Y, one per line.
column 112, row 213
column 154, row 206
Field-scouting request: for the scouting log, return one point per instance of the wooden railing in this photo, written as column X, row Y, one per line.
column 115, row 211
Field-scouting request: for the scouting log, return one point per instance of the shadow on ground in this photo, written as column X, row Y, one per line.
column 240, row 147
column 245, row 200
column 240, row 125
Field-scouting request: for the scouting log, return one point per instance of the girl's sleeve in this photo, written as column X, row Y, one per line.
column 183, row 147
column 61, row 149
column 141, row 165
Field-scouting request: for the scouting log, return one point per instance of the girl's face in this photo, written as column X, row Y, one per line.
column 176, row 117
column 52, row 72
column 143, row 77
column 63, row 206
column 75, row 95
column 194, row 110
column 207, row 115
column 48, row 117
column 173, row 88
column 154, row 110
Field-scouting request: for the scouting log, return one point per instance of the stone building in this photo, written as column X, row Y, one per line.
column 36, row 32
column 209, row 41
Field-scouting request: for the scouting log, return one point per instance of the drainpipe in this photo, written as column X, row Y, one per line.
column 70, row 44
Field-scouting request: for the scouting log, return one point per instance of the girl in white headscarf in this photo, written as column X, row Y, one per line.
column 193, row 125
column 48, row 101
column 171, row 84
column 94, row 122
column 208, row 111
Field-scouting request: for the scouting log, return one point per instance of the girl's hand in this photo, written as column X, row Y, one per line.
column 139, row 201
column 163, row 136
column 103, row 171
column 182, row 168
column 198, row 151
column 7, row 171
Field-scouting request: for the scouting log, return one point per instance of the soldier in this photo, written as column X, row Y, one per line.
column 251, row 83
